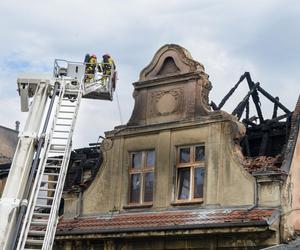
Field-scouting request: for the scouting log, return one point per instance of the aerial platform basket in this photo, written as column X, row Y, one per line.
column 96, row 85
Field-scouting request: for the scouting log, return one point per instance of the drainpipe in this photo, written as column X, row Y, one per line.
column 255, row 196
column 79, row 204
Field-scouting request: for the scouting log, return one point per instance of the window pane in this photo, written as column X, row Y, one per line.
column 199, row 154
column 150, row 158
column 135, row 187
column 183, row 183
column 136, row 161
column 149, row 178
column 198, row 182
column 184, row 155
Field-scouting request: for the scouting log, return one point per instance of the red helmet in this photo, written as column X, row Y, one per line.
column 93, row 55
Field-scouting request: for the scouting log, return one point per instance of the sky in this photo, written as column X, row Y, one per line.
column 227, row 37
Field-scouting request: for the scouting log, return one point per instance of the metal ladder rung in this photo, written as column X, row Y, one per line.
column 59, row 138
column 56, row 150
column 53, row 166
column 61, row 131
column 63, row 124
column 47, row 189
column 44, row 198
column 71, row 91
column 50, row 181
column 51, row 174
column 64, row 118
column 65, row 112
column 54, row 159
column 34, row 242
column 68, row 105
column 39, row 222
column 36, row 233
column 58, row 144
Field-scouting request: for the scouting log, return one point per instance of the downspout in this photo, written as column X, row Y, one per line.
column 79, row 204
column 255, row 195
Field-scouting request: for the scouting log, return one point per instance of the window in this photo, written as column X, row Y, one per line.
column 190, row 173
column 141, row 177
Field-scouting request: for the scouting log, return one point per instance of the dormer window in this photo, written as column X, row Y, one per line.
column 190, row 173
column 141, row 178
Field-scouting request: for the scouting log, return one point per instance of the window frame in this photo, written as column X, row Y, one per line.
column 192, row 165
column 143, row 170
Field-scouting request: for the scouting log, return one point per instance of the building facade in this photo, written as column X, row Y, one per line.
column 175, row 176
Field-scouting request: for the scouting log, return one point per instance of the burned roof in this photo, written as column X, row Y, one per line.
column 83, row 167
column 269, row 141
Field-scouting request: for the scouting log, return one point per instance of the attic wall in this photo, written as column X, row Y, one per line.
column 226, row 182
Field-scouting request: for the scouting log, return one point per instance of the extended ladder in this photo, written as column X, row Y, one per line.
column 39, row 225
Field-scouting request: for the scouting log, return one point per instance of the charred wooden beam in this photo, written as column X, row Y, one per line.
column 249, row 122
column 214, row 106
column 272, row 99
column 277, row 119
column 275, row 109
column 264, row 142
column 238, row 111
column 223, row 101
column 246, row 146
column 247, row 110
column 255, row 97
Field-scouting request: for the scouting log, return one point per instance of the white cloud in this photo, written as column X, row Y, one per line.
column 228, row 37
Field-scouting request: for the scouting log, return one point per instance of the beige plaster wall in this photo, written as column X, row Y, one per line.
column 226, row 182
column 291, row 215
column 269, row 193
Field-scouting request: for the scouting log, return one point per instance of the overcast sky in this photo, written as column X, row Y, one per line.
column 228, row 37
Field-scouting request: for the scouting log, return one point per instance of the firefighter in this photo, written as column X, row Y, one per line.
column 90, row 68
column 107, row 64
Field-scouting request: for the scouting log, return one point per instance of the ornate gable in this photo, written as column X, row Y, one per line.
column 170, row 59
column 172, row 87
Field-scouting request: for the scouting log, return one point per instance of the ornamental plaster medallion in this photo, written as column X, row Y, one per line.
column 166, row 102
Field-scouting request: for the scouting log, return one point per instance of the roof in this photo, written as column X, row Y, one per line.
column 180, row 219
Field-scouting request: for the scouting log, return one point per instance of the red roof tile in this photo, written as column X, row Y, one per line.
column 263, row 163
column 164, row 220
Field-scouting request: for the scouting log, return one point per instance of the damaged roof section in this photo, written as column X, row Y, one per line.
column 83, row 167
column 267, row 140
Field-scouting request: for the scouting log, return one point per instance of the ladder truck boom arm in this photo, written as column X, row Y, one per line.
column 21, row 164
column 34, row 186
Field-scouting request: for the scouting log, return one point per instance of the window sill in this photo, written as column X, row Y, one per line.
column 186, row 203
column 132, row 206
